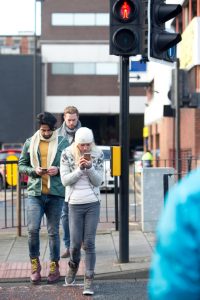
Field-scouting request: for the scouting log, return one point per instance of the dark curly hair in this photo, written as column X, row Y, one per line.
column 47, row 118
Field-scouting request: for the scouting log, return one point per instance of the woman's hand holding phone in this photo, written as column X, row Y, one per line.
column 85, row 161
column 87, row 156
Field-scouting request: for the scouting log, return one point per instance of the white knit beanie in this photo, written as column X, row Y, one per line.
column 84, row 135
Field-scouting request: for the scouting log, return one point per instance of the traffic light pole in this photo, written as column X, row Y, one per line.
column 177, row 120
column 124, row 178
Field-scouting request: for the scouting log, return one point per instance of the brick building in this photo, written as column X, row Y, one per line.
column 22, row 45
column 159, row 117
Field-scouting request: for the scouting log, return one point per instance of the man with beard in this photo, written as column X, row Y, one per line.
column 68, row 129
column 40, row 160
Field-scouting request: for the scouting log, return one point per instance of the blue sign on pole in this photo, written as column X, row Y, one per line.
column 137, row 66
column 172, row 52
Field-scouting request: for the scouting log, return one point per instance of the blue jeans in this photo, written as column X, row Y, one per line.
column 83, row 221
column 65, row 224
column 51, row 206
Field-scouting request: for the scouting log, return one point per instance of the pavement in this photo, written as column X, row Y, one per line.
column 15, row 265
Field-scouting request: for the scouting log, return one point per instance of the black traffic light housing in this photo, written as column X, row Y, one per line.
column 127, row 27
column 161, row 43
column 186, row 98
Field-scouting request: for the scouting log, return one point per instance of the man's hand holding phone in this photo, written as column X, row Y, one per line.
column 51, row 171
column 44, row 171
column 41, row 171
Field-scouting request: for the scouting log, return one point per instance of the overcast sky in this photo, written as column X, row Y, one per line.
column 18, row 17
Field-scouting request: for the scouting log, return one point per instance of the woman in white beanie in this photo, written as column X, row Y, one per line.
column 81, row 171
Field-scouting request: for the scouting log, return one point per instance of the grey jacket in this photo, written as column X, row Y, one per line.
column 70, row 174
column 67, row 133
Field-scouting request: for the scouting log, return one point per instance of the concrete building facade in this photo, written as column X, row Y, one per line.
column 78, row 70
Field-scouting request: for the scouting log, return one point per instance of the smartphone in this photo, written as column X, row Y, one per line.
column 44, row 170
column 87, row 156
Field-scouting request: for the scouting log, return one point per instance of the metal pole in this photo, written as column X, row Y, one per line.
column 116, row 204
column 5, row 196
column 124, row 178
column 34, row 72
column 19, row 221
column 177, row 119
column 135, row 192
column 165, row 184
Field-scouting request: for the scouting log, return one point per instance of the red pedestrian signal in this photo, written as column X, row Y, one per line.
column 125, row 11
column 127, row 25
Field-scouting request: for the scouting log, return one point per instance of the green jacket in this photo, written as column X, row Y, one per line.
column 34, row 181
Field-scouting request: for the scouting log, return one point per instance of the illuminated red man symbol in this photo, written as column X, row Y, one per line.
column 125, row 10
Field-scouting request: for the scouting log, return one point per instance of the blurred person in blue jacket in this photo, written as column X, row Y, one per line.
column 175, row 268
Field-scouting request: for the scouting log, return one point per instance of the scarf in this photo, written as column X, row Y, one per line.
column 52, row 149
column 67, row 132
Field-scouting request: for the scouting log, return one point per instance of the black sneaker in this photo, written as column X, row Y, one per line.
column 88, row 285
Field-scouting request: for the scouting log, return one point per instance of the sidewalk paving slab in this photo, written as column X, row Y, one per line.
column 15, row 265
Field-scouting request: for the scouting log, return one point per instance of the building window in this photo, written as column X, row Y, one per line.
column 80, row 19
column 62, row 19
column 107, row 69
column 84, row 68
column 102, row 19
column 62, row 68
column 84, row 20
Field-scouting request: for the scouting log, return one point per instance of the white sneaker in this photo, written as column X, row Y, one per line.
column 88, row 286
